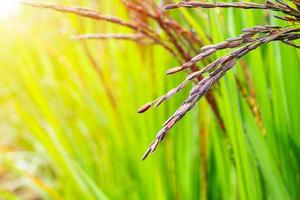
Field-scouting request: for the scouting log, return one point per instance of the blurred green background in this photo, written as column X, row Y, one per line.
column 69, row 127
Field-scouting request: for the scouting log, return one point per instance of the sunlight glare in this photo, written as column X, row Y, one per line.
column 9, row 8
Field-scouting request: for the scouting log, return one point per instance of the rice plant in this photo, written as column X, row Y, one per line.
column 79, row 120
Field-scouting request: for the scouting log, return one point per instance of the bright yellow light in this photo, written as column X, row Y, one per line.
column 9, row 8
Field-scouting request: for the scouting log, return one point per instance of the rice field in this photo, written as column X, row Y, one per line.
column 226, row 111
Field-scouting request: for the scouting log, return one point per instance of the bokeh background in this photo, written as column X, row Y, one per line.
column 69, row 127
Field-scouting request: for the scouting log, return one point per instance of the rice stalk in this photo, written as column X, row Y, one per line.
column 219, row 68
